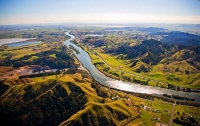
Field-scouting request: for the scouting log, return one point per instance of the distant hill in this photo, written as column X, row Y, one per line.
column 152, row 29
column 152, row 52
column 181, row 38
column 142, row 29
column 149, row 51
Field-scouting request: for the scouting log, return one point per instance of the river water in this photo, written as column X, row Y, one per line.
column 126, row 86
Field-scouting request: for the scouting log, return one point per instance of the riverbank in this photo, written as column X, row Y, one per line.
column 132, row 78
column 122, row 85
column 175, row 99
column 178, row 99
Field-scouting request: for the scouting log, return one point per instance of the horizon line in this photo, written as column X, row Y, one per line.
column 85, row 23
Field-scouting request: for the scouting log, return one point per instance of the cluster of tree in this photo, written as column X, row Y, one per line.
column 74, row 70
column 186, row 121
column 143, row 82
column 61, row 60
column 188, row 103
column 99, row 43
column 99, row 89
column 178, row 88
column 100, row 63
column 165, row 99
column 182, row 98
column 71, row 71
column 51, row 108
column 151, row 52
column 178, row 102
column 126, row 78
column 109, row 74
column 116, row 75
column 3, row 87
column 151, row 97
column 52, row 37
column 156, row 51
column 30, row 93
column 40, row 74
column 73, row 48
column 166, row 95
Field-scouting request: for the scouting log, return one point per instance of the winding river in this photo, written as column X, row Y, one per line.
column 126, row 86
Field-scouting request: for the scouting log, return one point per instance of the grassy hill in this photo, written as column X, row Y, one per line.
column 71, row 99
column 109, row 114
column 181, row 38
column 173, row 64
column 65, row 99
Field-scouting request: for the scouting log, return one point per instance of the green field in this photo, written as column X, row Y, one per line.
column 123, row 66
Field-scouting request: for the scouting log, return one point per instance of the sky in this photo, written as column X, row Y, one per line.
column 99, row 11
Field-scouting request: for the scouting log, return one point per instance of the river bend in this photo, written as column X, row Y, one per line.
column 126, row 86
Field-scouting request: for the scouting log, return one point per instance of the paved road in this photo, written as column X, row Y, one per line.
column 172, row 115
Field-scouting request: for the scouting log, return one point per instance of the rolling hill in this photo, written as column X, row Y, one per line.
column 182, row 38
column 174, row 64
column 61, row 100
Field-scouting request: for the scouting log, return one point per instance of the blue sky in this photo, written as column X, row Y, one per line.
column 99, row 11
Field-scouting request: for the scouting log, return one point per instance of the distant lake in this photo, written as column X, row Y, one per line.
column 14, row 40
column 22, row 43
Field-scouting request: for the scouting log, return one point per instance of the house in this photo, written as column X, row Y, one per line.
column 156, row 119
column 147, row 108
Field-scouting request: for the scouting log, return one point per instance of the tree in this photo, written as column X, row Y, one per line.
column 103, row 100
column 181, row 117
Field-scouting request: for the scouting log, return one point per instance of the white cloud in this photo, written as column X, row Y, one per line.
column 133, row 18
